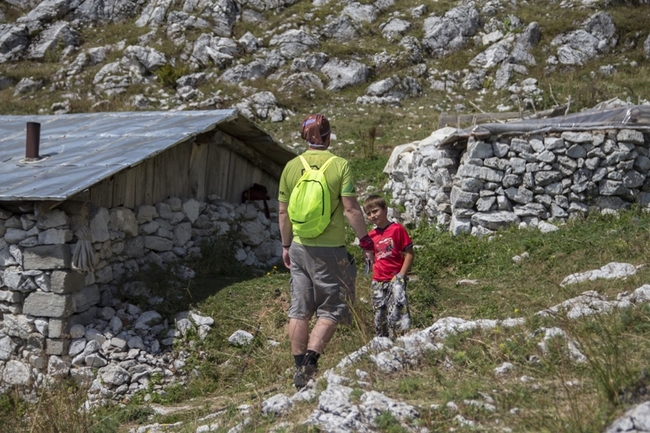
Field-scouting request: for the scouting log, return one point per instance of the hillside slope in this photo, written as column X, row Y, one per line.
column 382, row 70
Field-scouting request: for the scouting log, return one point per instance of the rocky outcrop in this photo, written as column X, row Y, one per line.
column 577, row 47
column 50, row 31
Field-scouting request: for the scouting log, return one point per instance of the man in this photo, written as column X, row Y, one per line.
column 322, row 272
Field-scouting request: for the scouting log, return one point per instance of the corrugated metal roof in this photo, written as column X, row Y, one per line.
column 79, row 150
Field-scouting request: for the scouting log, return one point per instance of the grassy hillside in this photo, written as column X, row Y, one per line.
column 580, row 86
column 546, row 392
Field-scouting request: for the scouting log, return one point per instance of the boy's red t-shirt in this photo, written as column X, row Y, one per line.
column 390, row 243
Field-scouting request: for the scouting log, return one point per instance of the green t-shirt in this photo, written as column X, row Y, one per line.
column 339, row 180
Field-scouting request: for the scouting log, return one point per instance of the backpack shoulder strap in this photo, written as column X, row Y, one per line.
column 305, row 163
column 308, row 167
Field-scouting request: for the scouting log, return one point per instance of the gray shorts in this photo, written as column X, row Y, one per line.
column 322, row 282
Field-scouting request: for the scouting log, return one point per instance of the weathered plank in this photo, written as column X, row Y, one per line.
column 458, row 120
column 217, row 170
column 197, row 171
column 240, row 178
column 160, row 190
column 149, row 181
column 248, row 153
column 140, row 183
column 130, row 188
column 102, row 194
column 180, row 171
column 119, row 188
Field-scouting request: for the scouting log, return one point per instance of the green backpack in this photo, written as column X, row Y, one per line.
column 309, row 204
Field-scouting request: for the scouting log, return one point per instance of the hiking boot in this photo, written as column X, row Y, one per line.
column 303, row 375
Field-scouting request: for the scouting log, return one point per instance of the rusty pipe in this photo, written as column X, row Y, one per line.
column 33, row 140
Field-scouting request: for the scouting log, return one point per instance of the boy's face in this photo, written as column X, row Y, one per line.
column 378, row 216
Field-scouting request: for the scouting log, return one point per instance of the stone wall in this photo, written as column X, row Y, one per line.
column 46, row 303
column 530, row 180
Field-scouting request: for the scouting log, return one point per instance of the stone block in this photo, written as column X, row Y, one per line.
column 54, row 236
column 11, row 308
column 99, row 225
column 48, row 305
column 58, row 327
column 47, row 257
column 123, row 219
column 157, row 243
column 35, row 342
column 6, row 258
column 86, row 298
column 17, row 325
column 17, row 373
column 192, row 208
column 56, row 346
column 10, row 296
column 53, row 218
column 84, row 318
column 630, row 136
column 62, row 282
column 145, row 213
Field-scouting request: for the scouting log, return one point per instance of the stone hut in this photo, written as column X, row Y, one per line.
column 88, row 199
column 531, row 173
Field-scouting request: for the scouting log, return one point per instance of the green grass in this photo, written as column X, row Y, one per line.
column 561, row 396
column 615, row 345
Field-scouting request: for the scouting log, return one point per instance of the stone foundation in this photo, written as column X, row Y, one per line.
column 44, row 297
column 498, row 181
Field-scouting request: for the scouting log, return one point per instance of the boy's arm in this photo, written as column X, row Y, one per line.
column 408, row 261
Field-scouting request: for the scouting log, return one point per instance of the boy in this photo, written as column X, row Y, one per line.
column 393, row 259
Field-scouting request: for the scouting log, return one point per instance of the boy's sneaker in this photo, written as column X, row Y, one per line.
column 304, row 374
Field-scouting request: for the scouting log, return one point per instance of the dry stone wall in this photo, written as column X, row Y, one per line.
column 54, row 316
column 528, row 180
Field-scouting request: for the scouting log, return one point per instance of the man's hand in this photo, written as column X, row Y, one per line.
column 369, row 256
column 285, row 258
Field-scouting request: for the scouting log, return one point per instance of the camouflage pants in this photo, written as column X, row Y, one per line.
column 390, row 307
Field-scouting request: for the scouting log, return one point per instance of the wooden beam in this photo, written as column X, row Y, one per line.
column 457, row 120
column 240, row 148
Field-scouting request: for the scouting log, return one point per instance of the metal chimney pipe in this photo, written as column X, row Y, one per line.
column 33, row 141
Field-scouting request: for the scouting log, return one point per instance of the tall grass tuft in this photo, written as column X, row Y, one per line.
column 368, row 140
column 58, row 408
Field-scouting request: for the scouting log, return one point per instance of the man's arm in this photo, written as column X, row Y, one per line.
column 286, row 232
column 354, row 214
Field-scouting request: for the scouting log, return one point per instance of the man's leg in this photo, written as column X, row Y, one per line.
column 305, row 353
column 302, row 340
column 298, row 335
column 321, row 335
